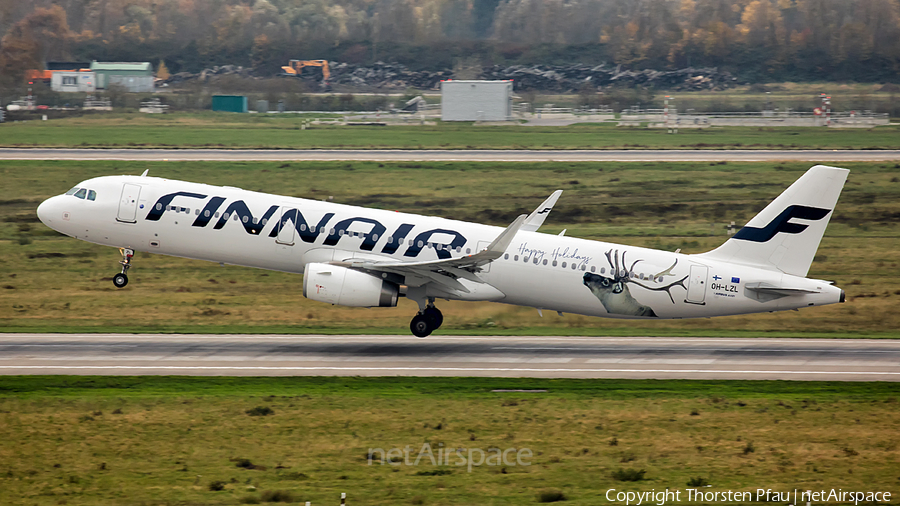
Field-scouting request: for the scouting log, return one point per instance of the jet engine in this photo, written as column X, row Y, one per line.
column 347, row 287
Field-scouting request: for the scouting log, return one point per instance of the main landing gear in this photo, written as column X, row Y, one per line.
column 427, row 320
column 121, row 279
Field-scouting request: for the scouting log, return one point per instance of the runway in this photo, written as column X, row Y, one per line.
column 536, row 357
column 393, row 155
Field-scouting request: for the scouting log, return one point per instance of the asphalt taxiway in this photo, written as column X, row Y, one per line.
column 369, row 355
column 469, row 155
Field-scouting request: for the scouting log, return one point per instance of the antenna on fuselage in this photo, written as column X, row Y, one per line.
column 144, row 174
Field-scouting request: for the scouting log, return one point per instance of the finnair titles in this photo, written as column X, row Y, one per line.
column 356, row 256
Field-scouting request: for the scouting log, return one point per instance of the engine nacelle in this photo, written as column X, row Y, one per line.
column 346, row 287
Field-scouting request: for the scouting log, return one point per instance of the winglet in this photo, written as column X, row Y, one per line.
column 498, row 247
column 537, row 217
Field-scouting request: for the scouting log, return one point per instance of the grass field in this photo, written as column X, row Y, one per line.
column 54, row 283
column 224, row 130
column 787, row 95
column 135, row 441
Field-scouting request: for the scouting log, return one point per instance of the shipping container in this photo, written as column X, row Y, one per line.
column 229, row 103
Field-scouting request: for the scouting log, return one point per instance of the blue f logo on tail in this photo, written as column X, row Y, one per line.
column 781, row 223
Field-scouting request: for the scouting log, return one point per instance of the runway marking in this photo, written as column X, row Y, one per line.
column 730, row 341
column 447, row 369
column 42, row 345
column 742, row 349
column 124, row 154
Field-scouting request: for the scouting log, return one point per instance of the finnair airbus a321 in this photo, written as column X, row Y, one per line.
column 362, row 257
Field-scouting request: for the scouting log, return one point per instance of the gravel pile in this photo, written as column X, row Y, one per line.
column 385, row 75
column 571, row 78
column 205, row 74
column 555, row 78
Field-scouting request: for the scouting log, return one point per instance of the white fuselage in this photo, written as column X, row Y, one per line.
column 567, row 274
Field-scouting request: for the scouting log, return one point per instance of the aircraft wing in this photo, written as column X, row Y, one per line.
column 537, row 217
column 445, row 272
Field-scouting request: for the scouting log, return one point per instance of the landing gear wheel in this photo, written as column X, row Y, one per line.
column 421, row 326
column 120, row 280
column 435, row 317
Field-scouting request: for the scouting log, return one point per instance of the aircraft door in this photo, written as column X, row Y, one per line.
column 128, row 203
column 288, row 228
column 696, row 292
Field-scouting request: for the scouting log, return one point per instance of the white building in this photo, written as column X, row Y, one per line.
column 476, row 100
column 82, row 82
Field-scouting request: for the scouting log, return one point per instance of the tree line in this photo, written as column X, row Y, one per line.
column 757, row 40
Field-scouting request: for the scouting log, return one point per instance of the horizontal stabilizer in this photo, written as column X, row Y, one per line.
column 777, row 290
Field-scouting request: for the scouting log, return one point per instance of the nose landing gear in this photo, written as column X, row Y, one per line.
column 426, row 321
column 121, row 279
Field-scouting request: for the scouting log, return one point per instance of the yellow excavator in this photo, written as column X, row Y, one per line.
column 295, row 68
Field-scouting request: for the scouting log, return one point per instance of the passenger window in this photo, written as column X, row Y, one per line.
column 506, row 256
column 564, row 265
column 593, row 268
column 545, row 261
column 81, row 193
column 554, row 263
column 92, row 195
column 72, row 191
column 196, row 212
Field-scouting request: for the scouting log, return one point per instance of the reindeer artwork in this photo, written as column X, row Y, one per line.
column 614, row 294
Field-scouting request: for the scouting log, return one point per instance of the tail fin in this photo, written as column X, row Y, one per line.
column 786, row 234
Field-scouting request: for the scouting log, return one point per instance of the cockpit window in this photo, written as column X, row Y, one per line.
column 72, row 191
column 92, row 195
column 81, row 193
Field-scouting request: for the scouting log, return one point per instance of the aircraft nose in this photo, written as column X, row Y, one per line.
column 46, row 213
